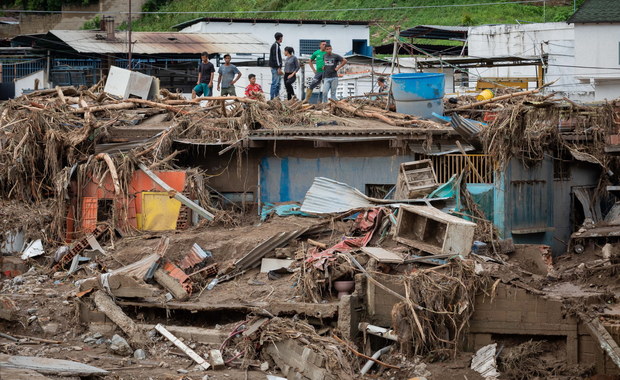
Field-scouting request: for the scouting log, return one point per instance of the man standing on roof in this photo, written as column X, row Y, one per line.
column 317, row 57
column 204, row 84
column 332, row 63
column 227, row 78
column 275, row 62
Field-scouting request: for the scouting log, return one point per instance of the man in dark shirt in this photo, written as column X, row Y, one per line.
column 275, row 62
column 206, row 70
column 332, row 63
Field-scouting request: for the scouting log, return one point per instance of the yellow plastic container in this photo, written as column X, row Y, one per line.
column 485, row 95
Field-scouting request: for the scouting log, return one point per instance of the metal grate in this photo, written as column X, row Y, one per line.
column 309, row 46
column 449, row 164
column 13, row 68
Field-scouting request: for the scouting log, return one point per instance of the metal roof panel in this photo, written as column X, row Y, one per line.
column 148, row 43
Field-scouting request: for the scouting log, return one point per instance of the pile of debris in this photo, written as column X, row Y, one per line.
column 342, row 285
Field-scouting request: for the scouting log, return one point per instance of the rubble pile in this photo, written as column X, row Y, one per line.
column 418, row 283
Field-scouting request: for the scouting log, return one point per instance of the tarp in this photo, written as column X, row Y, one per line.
column 281, row 209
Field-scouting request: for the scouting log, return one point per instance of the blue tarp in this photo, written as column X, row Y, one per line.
column 281, row 209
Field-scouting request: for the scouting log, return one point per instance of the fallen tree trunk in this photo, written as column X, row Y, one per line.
column 157, row 105
column 106, row 305
column 115, row 106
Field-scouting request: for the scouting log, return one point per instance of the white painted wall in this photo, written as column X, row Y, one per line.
column 27, row 82
column 597, row 50
column 340, row 36
column 558, row 40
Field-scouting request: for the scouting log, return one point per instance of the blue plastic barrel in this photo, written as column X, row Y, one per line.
column 418, row 94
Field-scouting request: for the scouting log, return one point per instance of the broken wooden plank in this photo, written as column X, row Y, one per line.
column 602, row 336
column 178, row 196
column 191, row 353
column 107, row 306
column 171, row 284
column 383, row 255
column 49, row 366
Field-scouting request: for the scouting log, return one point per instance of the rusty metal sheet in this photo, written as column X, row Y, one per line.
column 94, row 41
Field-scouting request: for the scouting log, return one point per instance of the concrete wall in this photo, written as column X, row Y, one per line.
column 27, row 82
column 32, row 23
column 558, row 40
column 286, row 169
column 508, row 312
column 340, row 36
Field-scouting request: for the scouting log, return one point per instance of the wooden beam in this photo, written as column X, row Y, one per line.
column 178, row 196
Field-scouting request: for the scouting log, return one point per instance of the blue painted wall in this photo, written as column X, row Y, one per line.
column 289, row 178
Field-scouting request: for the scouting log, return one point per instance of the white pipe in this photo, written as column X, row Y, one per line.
column 378, row 331
column 377, row 354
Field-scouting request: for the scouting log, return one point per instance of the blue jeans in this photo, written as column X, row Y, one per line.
column 329, row 85
column 275, row 83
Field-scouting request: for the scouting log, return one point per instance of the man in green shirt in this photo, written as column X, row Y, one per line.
column 317, row 57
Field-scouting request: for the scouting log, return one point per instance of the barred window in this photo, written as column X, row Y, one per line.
column 309, row 46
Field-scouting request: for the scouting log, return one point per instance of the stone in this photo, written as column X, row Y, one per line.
column 205, row 377
column 89, row 340
column 97, row 335
column 264, row 366
column 32, row 319
column 139, row 354
column 50, row 328
column 182, row 371
column 18, row 280
column 100, row 341
column 32, row 310
column 120, row 346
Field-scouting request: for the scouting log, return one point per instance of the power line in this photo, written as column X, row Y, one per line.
column 287, row 11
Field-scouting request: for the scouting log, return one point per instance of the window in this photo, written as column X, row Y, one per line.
column 309, row 46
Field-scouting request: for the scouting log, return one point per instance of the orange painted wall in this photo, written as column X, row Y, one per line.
column 139, row 183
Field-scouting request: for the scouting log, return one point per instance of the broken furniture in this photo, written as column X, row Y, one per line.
column 416, row 179
column 433, row 231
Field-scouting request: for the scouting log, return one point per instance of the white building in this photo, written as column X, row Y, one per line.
column 346, row 37
column 554, row 42
column 597, row 47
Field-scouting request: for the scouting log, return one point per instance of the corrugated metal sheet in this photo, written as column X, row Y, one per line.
column 327, row 196
column 94, row 41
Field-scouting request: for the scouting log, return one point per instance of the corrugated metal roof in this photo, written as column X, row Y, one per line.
column 94, row 41
column 270, row 21
column 437, row 32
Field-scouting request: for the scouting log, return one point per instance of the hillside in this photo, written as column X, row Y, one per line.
column 440, row 12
